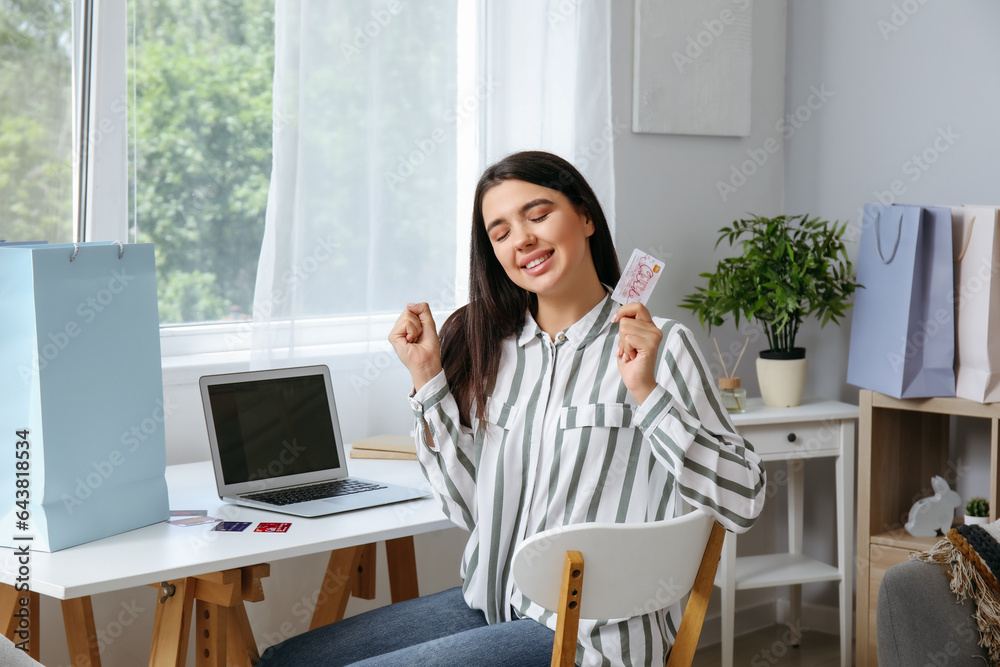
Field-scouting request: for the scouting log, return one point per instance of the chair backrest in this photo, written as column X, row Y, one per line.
column 631, row 569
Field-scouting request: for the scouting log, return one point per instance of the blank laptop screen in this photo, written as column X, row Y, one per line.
column 273, row 428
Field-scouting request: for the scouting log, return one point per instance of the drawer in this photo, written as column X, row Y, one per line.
column 794, row 440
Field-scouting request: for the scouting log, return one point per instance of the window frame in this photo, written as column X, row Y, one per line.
column 105, row 216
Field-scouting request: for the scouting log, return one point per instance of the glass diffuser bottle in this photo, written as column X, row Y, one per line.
column 734, row 397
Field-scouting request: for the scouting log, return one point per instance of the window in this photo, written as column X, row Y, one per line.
column 36, row 121
column 200, row 149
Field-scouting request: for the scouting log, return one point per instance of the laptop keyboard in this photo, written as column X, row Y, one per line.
column 300, row 494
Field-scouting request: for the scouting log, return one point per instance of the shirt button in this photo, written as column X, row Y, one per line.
column 561, row 337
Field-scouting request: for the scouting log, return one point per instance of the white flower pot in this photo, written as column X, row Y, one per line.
column 782, row 381
column 977, row 520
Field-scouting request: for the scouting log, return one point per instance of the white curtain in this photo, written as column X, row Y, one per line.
column 385, row 114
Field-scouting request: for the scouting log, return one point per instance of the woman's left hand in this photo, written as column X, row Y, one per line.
column 638, row 344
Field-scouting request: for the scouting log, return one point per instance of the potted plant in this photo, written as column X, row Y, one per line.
column 977, row 511
column 791, row 268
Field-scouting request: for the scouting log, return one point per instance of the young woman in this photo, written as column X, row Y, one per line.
column 544, row 404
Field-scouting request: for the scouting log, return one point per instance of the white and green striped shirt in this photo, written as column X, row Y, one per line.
column 565, row 443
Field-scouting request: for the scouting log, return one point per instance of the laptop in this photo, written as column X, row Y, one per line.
column 276, row 444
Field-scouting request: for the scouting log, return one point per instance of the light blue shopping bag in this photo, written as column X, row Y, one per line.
column 82, row 450
column 903, row 329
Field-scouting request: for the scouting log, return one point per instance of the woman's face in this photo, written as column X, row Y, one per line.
column 540, row 238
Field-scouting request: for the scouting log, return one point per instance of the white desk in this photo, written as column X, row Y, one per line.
column 164, row 552
column 814, row 429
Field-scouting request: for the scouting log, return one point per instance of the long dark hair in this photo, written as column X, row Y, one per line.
column 471, row 337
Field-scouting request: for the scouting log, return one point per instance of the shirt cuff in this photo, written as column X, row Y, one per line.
column 429, row 395
column 657, row 407
column 653, row 409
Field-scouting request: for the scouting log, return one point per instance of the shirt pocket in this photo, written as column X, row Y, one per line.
column 500, row 414
column 612, row 415
column 500, row 418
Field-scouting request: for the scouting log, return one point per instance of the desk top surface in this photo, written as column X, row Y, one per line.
column 811, row 410
column 164, row 551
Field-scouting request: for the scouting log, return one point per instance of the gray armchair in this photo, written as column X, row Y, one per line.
column 11, row 656
column 920, row 621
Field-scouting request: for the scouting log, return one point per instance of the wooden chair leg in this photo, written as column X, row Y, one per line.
column 337, row 585
column 564, row 648
column 81, row 633
column 682, row 653
column 402, row 560
column 172, row 626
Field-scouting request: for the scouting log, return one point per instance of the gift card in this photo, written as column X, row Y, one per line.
column 194, row 520
column 232, row 526
column 272, row 528
column 174, row 513
column 638, row 278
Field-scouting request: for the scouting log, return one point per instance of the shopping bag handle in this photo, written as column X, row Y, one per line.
column 76, row 250
column 965, row 243
column 878, row 244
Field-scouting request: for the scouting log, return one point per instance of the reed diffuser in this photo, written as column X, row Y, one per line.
column 734, row 397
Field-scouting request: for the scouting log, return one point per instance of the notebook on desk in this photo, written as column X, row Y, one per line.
column 276, row 444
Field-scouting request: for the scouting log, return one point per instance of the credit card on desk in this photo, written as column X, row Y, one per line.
column 638, row 278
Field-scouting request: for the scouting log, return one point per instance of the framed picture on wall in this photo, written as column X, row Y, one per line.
column 692, row 67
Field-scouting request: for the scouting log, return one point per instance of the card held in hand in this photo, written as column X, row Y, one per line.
column 638, row 278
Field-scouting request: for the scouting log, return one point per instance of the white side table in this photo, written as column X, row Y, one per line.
column 814, row 429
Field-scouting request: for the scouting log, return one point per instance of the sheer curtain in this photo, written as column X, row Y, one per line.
column 385, row 113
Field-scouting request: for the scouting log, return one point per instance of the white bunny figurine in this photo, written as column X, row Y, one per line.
column 928, row 515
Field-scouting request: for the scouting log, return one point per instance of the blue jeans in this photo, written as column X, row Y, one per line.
column 431, row 631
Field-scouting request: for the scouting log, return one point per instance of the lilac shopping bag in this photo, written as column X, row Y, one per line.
column 903, row 330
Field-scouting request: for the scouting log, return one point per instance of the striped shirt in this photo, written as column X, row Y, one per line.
column 564, row 443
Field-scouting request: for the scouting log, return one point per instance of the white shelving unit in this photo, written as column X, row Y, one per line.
column 815, row 429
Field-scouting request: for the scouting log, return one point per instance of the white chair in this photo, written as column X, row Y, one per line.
column 631, row 569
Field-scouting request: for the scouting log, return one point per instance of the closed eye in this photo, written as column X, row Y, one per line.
column 538, row 219
column 501, row 238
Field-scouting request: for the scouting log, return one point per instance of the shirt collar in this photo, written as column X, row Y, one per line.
column 582, row 332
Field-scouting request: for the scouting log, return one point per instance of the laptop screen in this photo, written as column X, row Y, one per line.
column 269, row 428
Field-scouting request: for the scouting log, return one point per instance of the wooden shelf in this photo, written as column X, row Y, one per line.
column 900, row 539
column 902, row 444
column 944, row 406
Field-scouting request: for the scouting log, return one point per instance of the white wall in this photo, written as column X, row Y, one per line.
column 904, row 74
column 669, row 204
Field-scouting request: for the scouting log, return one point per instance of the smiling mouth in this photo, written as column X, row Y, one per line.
column 532, row 264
